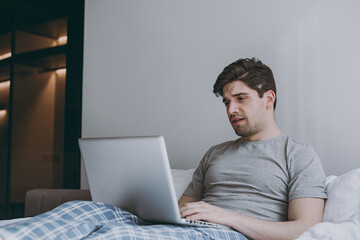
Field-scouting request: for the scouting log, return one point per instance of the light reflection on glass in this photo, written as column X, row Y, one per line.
column 4, row 56
column 62, row 40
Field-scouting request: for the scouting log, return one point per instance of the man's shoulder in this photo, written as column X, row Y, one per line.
column 294, row 145
column 300, row 154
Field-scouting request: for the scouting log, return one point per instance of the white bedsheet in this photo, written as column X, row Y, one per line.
column 347, row 230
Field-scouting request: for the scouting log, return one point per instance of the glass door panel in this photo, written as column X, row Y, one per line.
column 4, row 134
column 6, row 11
column 38, row 100
column 38, row 128
column 38, row 141
column 5, row 62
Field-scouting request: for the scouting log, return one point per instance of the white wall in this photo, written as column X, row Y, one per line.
column 149, row 68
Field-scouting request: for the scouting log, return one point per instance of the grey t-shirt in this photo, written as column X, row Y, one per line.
column 258, row 178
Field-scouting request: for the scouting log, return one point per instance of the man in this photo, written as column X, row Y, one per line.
column 264, row 184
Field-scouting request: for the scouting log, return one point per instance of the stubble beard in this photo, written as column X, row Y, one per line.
column 248, row 130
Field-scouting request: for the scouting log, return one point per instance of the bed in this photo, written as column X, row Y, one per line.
column 341, row 217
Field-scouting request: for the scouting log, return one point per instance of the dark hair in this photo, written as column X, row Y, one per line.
column 252, row 72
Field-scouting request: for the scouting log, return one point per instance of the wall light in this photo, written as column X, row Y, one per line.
column 61, row 71
column 3, row 113
column 4, row 56
column 62, row 40
column 5, row 84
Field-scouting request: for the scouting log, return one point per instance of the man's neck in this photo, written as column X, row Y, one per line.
column 272, row 131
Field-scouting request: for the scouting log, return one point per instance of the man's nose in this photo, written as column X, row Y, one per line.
column 233, row 108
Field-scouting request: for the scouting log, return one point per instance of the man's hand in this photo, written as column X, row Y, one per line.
column 303, row 213
column 206, row 212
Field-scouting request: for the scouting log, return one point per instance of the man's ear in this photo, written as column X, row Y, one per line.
column 270, row 99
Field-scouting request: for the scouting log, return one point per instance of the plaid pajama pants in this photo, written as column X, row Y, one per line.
column 94, row 220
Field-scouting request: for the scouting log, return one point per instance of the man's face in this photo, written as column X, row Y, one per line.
column 245, row 109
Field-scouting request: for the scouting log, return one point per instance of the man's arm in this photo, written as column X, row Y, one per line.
column 186, row 199
column 303, row 213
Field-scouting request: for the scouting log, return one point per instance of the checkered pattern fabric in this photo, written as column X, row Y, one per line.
column 93, row 220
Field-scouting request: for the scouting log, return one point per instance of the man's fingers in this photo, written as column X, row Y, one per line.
column 187, row 211
column 199, row 204
column 193, row 214
column 191, row 209
column 204, row 211
column 197, row 216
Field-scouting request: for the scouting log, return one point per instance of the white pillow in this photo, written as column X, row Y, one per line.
column 181, row 179
column 343, row 197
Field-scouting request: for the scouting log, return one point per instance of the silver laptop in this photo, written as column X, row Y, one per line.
column 133, row 173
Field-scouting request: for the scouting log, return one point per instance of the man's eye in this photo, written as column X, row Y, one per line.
column 241, row 98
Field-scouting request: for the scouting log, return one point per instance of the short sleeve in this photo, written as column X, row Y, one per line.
column 307, row 177
column 196, row 187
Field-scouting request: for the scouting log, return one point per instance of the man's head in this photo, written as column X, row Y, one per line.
column 252, row 72
column 249, row 94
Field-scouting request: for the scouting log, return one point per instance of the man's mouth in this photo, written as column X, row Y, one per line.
column 236, row 120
